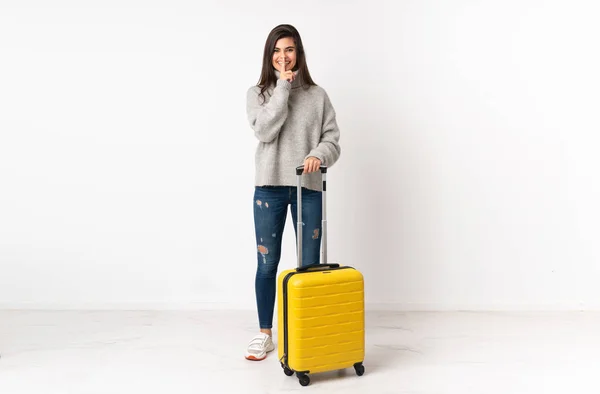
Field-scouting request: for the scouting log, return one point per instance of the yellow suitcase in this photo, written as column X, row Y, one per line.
column 321, row 322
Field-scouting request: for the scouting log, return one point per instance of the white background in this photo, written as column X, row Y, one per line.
column 469, row 169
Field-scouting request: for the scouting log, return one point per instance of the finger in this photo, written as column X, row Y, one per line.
column 282, row 66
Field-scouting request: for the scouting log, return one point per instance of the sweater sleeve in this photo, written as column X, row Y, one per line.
column 267, row 119
column 328, row 150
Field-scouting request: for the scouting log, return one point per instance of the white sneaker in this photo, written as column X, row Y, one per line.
column 259, row 346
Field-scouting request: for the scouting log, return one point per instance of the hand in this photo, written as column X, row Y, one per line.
column 287, row 75
column 311, row 164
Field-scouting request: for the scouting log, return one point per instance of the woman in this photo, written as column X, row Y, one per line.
column 295, row 123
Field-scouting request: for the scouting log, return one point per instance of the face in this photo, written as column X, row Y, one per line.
column 285, row 51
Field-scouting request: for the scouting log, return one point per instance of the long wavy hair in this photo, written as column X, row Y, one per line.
column 267, row 76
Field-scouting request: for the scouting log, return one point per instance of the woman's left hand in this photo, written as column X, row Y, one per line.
column 311, row 164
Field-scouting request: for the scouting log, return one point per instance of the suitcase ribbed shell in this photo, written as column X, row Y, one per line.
column 323, row 321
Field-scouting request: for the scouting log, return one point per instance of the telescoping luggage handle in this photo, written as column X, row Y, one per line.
column 299, row 172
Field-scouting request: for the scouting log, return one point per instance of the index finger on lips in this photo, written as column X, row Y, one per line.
column 282, row 67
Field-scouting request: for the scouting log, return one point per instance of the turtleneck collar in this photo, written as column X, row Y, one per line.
column 296, row 83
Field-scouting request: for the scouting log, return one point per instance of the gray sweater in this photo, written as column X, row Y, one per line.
column 292, row 124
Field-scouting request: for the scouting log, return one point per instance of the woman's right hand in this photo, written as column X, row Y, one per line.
column 287, row 75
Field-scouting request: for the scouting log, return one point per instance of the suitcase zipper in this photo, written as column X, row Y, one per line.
column 285, row 312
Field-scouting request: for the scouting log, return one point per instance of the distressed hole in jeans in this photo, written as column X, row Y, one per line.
column 259, row 203
column 263, row 251
column 315, row 234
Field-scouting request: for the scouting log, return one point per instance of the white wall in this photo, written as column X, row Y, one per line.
column 468, row 177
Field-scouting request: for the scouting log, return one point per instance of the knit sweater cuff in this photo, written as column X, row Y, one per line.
column 284, row 83
column 318, row 155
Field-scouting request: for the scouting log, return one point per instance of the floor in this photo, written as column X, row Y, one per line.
column 47, row 352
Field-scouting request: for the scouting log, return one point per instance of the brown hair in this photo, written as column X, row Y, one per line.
column 268, row 76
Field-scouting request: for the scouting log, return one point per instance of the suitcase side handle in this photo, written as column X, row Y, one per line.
column 317, row 265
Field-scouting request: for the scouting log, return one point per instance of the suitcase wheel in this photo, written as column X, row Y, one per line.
column 286, row 370
column 359, row 368
column 303, row 379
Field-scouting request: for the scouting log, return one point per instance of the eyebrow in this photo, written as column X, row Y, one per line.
column 286, row 47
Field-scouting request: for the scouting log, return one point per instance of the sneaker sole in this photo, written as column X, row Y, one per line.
column 252, row 358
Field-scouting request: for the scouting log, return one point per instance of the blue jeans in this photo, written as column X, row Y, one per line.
column 270, row 213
